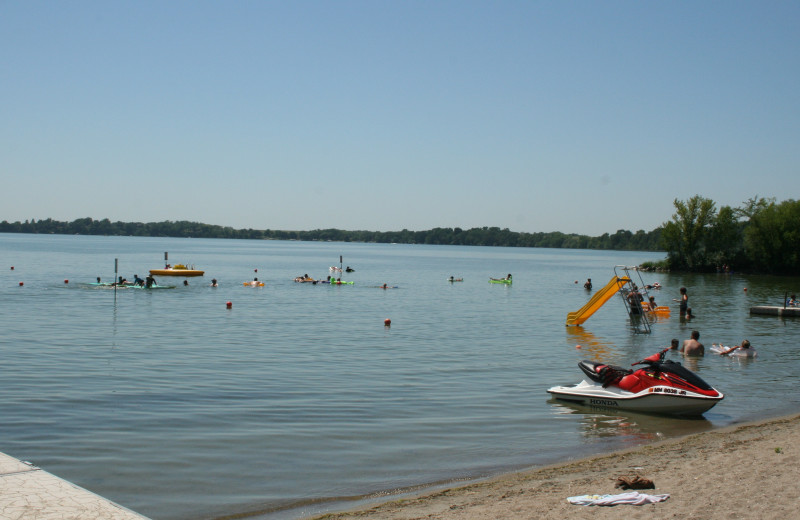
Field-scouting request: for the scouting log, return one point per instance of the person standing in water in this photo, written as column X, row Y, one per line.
column 684, row 301
column 692, row 346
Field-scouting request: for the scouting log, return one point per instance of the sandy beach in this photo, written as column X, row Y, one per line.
column 744, row 471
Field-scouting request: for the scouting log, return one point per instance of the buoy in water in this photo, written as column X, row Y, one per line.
column 387, row 322
column 229, row 304
column 255, row 270
column 12, row 267
column 745, row 289
column 21, row 284
column 577, row 346
column 66, row 281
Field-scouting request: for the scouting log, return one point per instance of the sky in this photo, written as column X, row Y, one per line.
column 574, row 116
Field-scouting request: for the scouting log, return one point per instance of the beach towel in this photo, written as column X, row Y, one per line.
column 633, row 498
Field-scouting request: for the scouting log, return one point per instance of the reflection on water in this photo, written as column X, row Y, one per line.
column 691, row 362
column 631, row 427
column 591, row 347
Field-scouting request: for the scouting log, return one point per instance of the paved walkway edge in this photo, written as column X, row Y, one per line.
column 30, row 493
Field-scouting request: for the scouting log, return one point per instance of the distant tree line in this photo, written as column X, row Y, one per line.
column 485, row 236
column 760, row 236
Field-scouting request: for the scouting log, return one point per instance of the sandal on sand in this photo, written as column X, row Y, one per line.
column 635, row 482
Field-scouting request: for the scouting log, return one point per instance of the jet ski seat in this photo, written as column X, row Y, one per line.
column 602, row 373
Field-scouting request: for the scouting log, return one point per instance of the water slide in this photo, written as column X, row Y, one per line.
column 597, row 301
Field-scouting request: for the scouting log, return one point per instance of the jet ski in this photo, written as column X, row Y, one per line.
column 660, row 387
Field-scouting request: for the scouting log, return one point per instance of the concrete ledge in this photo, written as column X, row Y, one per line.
column 775, row 311
column 30, row 493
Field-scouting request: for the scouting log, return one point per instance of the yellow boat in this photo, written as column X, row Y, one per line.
column 176, row 270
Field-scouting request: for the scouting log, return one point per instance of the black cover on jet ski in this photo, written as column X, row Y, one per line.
column 602, row 373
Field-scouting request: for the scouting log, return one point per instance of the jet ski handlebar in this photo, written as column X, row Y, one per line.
column 655, row 358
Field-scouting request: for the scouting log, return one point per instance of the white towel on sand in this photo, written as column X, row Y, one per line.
column 633, row 498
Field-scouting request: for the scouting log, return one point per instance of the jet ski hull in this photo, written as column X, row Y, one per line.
column 655, row 399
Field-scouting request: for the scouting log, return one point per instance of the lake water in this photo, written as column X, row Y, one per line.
column 298, row 398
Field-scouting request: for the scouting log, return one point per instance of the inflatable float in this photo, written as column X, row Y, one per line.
column 739, row 352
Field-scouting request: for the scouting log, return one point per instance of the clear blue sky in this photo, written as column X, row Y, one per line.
column 573, row 116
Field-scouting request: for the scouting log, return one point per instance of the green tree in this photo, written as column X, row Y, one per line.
column 772, row 237
column 725, row 239
column 684, row 237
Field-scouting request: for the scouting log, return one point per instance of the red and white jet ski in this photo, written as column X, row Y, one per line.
column 662, row 387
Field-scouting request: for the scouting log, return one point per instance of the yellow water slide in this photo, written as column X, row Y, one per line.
column 597, row 301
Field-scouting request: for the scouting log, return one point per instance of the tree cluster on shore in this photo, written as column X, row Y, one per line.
column 761, row 235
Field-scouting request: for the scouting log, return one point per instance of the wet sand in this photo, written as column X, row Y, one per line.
column 744, row 471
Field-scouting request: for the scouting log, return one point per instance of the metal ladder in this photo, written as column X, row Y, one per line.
column 640, row 320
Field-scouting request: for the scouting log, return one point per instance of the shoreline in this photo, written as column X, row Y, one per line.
column 746, row 470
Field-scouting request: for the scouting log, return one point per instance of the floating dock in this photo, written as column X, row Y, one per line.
column 30, row 493
column 775, row 311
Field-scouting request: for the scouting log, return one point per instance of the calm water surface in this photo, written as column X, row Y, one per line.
column 298, row 396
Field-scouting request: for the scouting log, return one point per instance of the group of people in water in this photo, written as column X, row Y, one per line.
column 148, row 282
column 637, row 303
column 693, row 347
column 307, row 279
